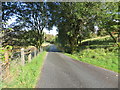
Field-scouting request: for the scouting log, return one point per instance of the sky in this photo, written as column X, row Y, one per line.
column 10, row 21
column 53, row 31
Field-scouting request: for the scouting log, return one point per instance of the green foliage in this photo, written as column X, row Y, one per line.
column 2, row 54
column 8, row 47
column 26, row 76
column 3, row 50
column 28, row 27
column 100, row 52
column 49, row 38
column 75, row 22
column 78, row 21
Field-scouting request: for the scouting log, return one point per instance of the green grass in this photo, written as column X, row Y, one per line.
column 26, row 76
column 100, row 52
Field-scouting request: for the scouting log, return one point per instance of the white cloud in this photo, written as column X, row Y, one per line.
column 10, row 21
column 53, row 31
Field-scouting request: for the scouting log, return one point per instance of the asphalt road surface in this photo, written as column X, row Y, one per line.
column 60, row 71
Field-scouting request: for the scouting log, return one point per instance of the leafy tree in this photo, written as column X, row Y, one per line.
column 49, row 38
column 30, row 22
column 76, row 21
column 108, row 18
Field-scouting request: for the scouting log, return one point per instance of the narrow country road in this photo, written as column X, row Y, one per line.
column 60, row 71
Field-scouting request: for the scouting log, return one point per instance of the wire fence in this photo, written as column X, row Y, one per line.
column 21, row 57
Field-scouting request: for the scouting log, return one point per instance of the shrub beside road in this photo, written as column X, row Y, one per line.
column 101, row 52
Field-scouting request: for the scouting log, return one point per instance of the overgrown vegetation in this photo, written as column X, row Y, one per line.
column 101, row 52
column 3, row 51
column 84, row 20
column 50, row 38
column 75, row 22
column 25, row 76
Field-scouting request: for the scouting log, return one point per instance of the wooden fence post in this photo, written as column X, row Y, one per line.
column 22, row 57
column 6, row 56
column 0, row 73
column 35, row 52
column 7, row 63
column 29, row 57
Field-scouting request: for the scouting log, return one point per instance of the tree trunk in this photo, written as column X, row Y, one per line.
column 112, row 36
column 118, row 37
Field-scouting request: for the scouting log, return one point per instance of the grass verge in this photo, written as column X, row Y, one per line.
column 26, row 76
column 98, row 58
column 100, row 52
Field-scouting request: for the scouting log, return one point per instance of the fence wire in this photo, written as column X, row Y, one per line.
column 14, row 60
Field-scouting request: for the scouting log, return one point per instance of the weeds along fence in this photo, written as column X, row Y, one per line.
column 16, row 58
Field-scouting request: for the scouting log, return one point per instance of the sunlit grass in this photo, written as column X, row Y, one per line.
column 98, row 57
column 26, row 76
column 101, row 52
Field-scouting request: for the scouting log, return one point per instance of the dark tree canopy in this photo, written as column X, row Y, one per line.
column 75, row 21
